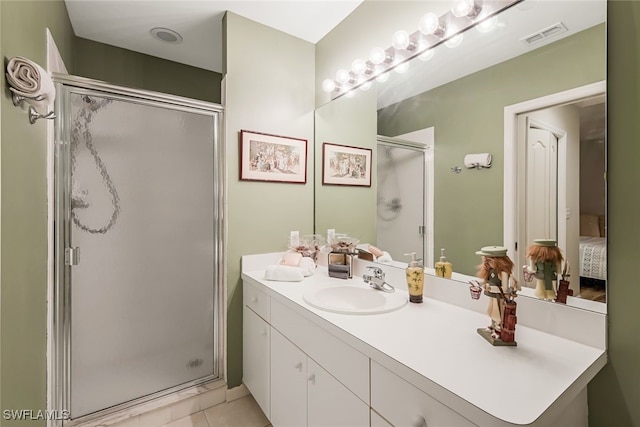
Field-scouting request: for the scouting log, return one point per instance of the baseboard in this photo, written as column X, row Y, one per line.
column 237, row 392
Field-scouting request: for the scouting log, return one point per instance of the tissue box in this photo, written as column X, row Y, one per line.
column 340, row 265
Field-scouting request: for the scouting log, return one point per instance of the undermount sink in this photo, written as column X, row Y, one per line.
column 353, row 299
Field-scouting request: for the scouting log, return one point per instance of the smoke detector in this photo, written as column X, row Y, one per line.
column 166, row 35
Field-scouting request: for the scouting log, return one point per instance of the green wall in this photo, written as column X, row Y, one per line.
column 349, row 210
column 468, row 116
column 269, row 88
column 23, row 225
column 132, row 69
column 614, row 394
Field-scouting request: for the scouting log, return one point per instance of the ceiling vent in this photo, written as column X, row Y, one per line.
column 544, row 34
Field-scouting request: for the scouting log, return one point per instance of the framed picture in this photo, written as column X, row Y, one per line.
column 273, row 158
column 345, row 165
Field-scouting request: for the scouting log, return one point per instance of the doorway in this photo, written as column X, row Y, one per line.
column 405, row 195
column 558, row 188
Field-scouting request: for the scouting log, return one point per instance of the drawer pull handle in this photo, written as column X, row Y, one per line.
column 312, row 378
column 263, row 332
column 254, row 299
column 298, row 365
column 418, row 421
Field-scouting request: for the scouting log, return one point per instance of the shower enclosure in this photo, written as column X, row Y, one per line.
column 404, row 213
column 138, row 246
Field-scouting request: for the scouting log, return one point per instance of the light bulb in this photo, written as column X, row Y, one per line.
column 460, row 8
column 359, row 66
column 342, row 76
column 328, row 85
column 430, row 24
column 377, row 55
column 402, row 68
column 426, row 55
column 400, row 40
column 383, row 77
column 426, row 52
column 487, row 25
column 454, row 41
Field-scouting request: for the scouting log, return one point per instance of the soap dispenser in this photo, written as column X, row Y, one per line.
column 415, row 279
column 443, row 267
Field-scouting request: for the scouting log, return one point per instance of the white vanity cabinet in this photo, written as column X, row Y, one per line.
column 303, row 393
column 402, row 404
column 256, row 344
column 289, row 385
column 307, row 366
column 283, row 368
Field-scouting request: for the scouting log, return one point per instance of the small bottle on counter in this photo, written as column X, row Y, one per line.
column 415, row 279
column 443, row 267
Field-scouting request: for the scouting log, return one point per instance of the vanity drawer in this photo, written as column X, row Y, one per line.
column 256, row 300
column 346, row 364
column 402, row 404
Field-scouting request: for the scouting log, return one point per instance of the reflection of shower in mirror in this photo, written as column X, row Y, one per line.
column 81, row 135
column 388, row 207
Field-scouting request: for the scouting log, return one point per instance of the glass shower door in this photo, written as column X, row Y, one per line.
column 401, row 200
column 140, row 248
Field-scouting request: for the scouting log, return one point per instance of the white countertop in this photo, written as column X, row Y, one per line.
column 439, row 342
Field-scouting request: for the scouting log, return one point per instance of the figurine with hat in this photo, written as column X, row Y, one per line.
column 501, row 288
column 545, row 262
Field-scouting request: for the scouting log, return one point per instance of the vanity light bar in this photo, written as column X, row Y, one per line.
column 438, row 31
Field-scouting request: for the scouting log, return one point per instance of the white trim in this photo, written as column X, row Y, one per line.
column 55, row 63
column 237, row 392
column 511, row 150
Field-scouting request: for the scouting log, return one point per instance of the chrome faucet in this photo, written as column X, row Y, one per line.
column 377, row 281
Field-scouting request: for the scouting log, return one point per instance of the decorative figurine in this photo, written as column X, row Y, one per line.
column 545, row 261
column 496, row 273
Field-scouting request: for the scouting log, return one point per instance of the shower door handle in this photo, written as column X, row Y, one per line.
column 72, row 256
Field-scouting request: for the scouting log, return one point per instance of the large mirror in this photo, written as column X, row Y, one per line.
column 531, row 94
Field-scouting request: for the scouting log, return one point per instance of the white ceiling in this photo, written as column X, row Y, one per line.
column 126, row 24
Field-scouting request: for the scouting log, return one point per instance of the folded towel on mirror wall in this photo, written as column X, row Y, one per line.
column 30, row 80
column 283, row 273
column 481, row 160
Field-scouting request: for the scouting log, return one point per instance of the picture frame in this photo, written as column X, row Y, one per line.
column 346, row 165
column 272, row 158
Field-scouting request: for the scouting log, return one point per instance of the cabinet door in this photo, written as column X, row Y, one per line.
column 288, row 383
column 402, row 404
column 329, row 403
column 255, row 357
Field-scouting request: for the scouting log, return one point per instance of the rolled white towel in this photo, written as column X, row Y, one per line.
column 385, row 258
column 475, row 160
column 30, row 80
column 283, row 273
column 308, row 266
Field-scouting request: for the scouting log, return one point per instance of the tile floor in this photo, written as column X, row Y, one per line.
column 243, row 412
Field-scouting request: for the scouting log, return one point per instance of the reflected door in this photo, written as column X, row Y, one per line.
column 542, row 185
column 140, row 240
column 401, row 201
